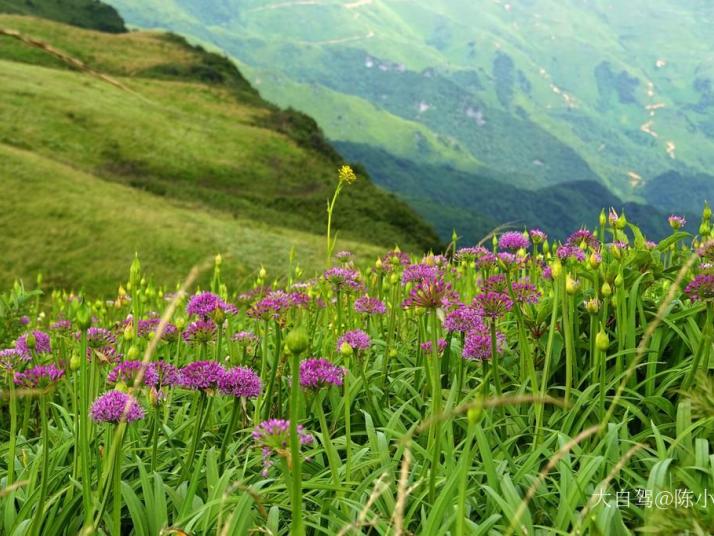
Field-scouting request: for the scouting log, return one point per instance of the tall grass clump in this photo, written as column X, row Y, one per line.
column 525, row 387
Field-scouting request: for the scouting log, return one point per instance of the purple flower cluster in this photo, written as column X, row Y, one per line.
column 61, row 325
column 513, row 241
column 273, row 437
column 151, row 325
column 583, row 239
column 676, row 222
column 11, row 359
column 537, row 236
column 99, row 337
column 370, row 306
column 200, row 375
column 115, row 407
column 570, row 253
column 41, row 344
column 356, row 339
column 38, row 377
column 207, row 304
column 701, row 288
column 420, row 272
column 316, row 373
column 462, row 319
column 245, row 337
column 199, row 332
column 477, row 344
column 240, row 382
column 525, row 292
column 428, row 345
column 430, row 294
column 127, row 372
column 493, row 304
column 343, row 279
column 394, row 259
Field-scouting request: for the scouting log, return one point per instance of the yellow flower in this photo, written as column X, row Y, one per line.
column 346, row 174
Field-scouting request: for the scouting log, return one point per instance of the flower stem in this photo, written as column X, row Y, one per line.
column 297, row 528
column 39, row 512
column 229, row 430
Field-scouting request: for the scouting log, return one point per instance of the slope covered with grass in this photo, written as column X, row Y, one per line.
column 152, row 113
column 82, row 232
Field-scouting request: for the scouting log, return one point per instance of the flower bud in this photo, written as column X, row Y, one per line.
column 218, row 260
column 619, row 280
column 704, row 228
column 180, row 323
column 74, row 362
column 571, row 285
column 602, row 341
column 556, row 268
column 129, row 332
column 345, row 349
column 84, row 318
column 132, row 352
column 378, row 263
column 606, row 289
column 592, row 306
column 707, row 212
column 392, row 352
column 594, row 260
column 603, row 218
column 297, row 340
column 263, row 273
column 393, row 278
column 121, row 387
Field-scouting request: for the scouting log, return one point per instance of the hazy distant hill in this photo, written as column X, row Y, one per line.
column 531, row 93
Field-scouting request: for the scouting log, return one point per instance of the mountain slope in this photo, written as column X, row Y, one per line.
column 533, row 92
column 148, row 112
column 81, row 232
column 91, row 14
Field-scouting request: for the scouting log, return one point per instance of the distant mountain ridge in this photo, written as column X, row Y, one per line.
column 532, row 93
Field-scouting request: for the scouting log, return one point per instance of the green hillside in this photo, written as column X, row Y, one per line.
column 532, row 93
column 91, row 14
column 183, row 127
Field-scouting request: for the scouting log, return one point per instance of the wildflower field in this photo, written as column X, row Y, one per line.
column 520, row 386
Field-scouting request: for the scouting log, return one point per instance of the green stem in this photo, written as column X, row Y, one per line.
column 39, row 513
column 332, row 457
column 546, row 366
column 463, row 478
column 229, row 430
column 435, row 406
column 348, row 412
column 296, row 528
column 196, row 436
column 155, row 438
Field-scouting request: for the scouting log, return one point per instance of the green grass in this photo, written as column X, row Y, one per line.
column 81, row 232
column 183, row 126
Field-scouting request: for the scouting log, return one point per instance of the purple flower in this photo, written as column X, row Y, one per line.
column 127, row 372
column 583, row 239
column 495, row 283
column 430, row 294
column 24, row 320
column 166, row 375
column 427, row 346
column 574, row 253
column 356, row 339
column 61, row 325
column 462, row 319
column 151, row 325
column 370, row 306
column 676, row 222
column 343, row 256
column 471, row 253
column 701, row 288
column 245, row 338
column 706, row 250
column 240, row 382
column 206, row 304
column 200, row 375
column 11, row 359
column 420, row 272
column 394, row 259
column 115, row 407
column 343, row 279
column 537, row 236
column 273, row 437
column 316, row 373
column 477, row 345
column 513, row 241
column 493, row 304
column 40, row 345
column 39, row 377
column 200, row 331
column 525, row 292
column 99, row 337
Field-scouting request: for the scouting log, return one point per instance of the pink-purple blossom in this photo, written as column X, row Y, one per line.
column 115, row 407
column 240, row 382
column 318, row 372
